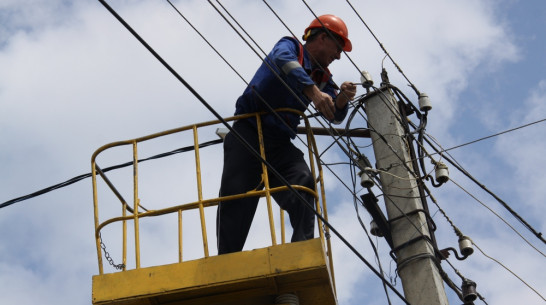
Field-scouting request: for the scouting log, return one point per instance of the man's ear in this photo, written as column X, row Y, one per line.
column 323, row 35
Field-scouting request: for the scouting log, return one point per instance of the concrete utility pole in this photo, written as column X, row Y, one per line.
column 421, row 280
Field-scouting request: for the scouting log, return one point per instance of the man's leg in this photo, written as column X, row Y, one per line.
column 289, row 161
column 242, row 173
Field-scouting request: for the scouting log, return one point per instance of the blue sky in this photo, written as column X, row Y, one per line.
column 73, row 79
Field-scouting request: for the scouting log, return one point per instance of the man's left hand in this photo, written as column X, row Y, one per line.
column 348, row 92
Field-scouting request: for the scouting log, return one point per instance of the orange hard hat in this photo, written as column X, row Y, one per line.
column 335, row 25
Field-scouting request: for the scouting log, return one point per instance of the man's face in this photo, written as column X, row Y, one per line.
column 330, row 50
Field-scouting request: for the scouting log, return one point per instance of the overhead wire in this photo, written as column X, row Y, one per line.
column 508, row 269
column 460, row 234
column 491, row 136
column 110, row 168
column 483, row 187
column 384, row 49
column 205, row 39
column 219, row 54
column 498, row 216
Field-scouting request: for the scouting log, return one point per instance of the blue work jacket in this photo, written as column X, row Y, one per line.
column 291, row 63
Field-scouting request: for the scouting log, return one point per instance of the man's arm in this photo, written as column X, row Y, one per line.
column 324, row 102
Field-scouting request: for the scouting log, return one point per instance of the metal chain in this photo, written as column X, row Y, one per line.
column 324, row 229
column 107, row 256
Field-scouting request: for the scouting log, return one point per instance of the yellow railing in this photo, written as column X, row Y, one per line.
column 136, row 212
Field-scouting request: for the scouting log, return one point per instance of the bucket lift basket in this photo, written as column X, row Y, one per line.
column 249, row 277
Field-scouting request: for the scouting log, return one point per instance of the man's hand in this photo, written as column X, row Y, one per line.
column 348, row 92
column 323, row 102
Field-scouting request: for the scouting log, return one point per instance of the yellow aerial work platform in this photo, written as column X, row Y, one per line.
column 248, row 277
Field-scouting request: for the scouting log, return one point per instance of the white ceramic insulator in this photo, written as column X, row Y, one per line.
column 424, row 102
column 441, row 173
column 465, row 246
column 366, row 79
column 365, row 180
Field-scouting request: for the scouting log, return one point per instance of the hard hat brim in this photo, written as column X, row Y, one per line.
column 348, row 47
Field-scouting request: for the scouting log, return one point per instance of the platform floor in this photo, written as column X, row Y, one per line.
column 248, row 277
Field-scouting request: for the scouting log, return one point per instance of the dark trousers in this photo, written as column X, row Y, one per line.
column 243, row 172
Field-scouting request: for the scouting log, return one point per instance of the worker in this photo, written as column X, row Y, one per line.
column 291, row 76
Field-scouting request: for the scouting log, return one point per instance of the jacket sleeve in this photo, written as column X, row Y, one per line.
column 285, row 57
column 340, row 114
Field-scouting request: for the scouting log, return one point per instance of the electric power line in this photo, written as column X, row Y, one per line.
column 384, row 49
column 508, row 269
column 429, row 139
column 496, row 214
column 482, row 186
column 491, row 136
column 84, row 176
